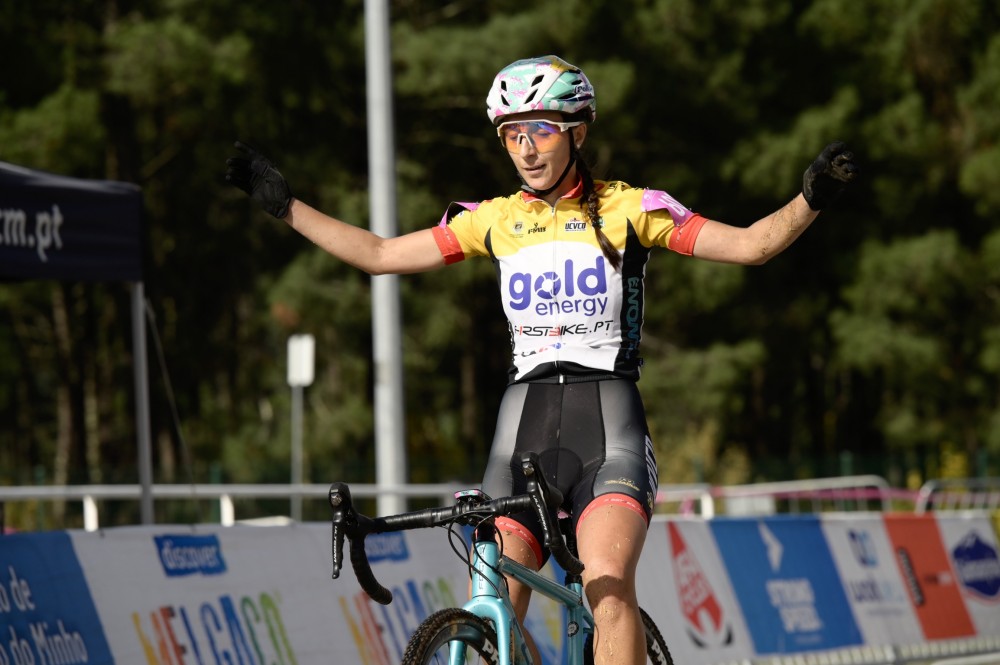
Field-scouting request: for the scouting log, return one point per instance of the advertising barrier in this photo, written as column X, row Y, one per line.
column 845, row 588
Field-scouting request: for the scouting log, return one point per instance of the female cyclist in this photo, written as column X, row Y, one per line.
column 570, row 252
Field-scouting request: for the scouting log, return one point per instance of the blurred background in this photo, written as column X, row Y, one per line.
column 871, row 346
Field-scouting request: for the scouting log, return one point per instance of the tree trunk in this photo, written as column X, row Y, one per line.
column 64, row 402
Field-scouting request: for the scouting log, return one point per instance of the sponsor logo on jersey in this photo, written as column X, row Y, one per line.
column 575, row 226
column 572, row 289
column 558, row 331
column 633, row 315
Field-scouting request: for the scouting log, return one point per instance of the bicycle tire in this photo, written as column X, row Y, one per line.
column 429, row 643
column 657, row 652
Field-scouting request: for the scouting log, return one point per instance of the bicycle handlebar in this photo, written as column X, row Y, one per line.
column 349, row 523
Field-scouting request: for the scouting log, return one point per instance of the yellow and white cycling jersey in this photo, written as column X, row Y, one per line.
column 571, row 315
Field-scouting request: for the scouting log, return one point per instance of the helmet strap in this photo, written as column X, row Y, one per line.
column 573, row 154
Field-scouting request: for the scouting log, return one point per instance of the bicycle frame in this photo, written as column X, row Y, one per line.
column 489, row 601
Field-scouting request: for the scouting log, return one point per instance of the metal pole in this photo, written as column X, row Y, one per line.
column 390, row 449
column 139, row 361
column 297, row 450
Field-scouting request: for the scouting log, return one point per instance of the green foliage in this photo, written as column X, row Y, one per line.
column 61, row 134
column 876, row 334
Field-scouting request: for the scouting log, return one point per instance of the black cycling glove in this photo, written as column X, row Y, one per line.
column 256, row 175
column 829, row 175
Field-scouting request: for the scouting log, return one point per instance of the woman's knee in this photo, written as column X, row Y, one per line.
column 609, row 585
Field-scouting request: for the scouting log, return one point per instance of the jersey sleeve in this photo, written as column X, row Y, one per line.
column 668, row 223
column 458, row 234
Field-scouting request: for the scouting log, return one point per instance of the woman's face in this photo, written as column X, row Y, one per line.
column 540, row 154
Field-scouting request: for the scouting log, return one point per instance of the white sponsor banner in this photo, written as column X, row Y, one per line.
column 871, row 579
column 183, row 595
column 971, row 544
column 177, row 595
column 258, row 595
column 684, row 587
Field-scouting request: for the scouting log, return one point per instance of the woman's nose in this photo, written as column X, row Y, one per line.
column 525, row 144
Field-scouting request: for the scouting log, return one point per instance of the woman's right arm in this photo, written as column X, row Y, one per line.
column 359, row 247
column 257, row 176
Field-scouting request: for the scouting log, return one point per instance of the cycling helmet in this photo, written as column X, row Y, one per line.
column 541, row 84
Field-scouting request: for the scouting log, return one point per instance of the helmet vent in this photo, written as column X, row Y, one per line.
column 538, row 79
column 530, row 97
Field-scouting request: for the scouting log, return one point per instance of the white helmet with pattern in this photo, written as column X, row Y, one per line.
column 548, row 83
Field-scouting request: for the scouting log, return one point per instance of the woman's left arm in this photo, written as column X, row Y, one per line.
column 755, row 244
column 822, row 183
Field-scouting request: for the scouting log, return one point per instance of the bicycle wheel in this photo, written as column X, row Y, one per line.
column 656, row 647
column 429, row 644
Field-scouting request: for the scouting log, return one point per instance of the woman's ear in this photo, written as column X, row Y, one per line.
column 579, row 134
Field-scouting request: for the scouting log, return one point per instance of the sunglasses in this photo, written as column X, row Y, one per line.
column 542, row 135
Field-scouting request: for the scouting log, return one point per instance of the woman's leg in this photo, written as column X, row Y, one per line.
column 520, row 595
column 610, row 539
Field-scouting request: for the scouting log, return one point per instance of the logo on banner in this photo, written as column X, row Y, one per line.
column 978, row 566
column 706, row 625
column 386, row 547
column 794, row 598
column 380, row 632
column 923, row 562
column 47, row 615
column 772, row 546
column 787, row 584
column 190, row 555
column 232, row 629
column 863, row 548
column 870, row 586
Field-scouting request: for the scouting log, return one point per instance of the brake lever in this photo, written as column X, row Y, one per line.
column 547, row 500
column 343, row 510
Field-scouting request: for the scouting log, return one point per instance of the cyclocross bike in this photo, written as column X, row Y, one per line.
column 485, row 629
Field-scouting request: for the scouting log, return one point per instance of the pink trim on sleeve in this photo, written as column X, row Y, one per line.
column 456, row 208
column 655, row 199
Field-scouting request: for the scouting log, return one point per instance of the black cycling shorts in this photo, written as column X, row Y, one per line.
column 592, row 441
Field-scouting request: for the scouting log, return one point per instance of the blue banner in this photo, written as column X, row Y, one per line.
column 787, row 584
column 47, row 614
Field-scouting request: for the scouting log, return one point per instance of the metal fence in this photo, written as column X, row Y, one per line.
column 848, row 493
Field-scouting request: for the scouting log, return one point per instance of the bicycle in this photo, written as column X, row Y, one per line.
column 485, row 627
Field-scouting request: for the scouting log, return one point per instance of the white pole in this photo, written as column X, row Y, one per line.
column 301, row 371
column 390, row 448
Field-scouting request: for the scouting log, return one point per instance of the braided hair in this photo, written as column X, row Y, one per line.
column 591, row 208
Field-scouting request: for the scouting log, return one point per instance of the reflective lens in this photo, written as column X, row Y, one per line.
column 542, row 135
